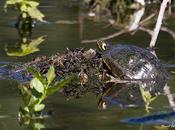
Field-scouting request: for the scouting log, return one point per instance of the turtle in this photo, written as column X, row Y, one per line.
column 134, row 63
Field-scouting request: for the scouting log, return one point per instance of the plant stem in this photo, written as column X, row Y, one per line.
column 159, row 23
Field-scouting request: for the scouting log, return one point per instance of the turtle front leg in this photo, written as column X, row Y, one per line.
column 103, row 72
column 115, row 80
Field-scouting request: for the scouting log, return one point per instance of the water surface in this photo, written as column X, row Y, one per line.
column 76, row 113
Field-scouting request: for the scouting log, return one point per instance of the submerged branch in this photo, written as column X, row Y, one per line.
column 169, row 96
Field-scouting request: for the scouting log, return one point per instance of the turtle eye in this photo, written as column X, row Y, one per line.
column 104, row 46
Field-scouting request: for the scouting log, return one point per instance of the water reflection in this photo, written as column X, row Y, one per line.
column 24, row 47
column 154, row 119
column 33, row 124
column 109, row 93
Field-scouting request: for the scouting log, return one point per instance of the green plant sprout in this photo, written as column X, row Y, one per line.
column 35, row 125
column 27, row 8
column 25, row 48
column 33, row 94
column 147, row 98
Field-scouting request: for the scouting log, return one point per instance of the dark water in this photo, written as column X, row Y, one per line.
column 77, row 113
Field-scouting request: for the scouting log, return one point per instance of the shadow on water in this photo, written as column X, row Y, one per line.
column 153, row 119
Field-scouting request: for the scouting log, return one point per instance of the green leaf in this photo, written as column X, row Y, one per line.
column 23, row 51
column 32, row 3
column 25, row 48
column 37, row 84
column 23, row 8
column 36, row 93
column 50, row 74
column 146, row 96
column 35, row 14
column 36, row 74
column 11, row 2
column 25, row 93
column 33, row 101
column 38, row 126
column 39, row 107
column 23, row 110
column 36, row 42
column 58, row 85
column 26, row 109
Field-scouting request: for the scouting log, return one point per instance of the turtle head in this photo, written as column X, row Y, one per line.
column 101, row 45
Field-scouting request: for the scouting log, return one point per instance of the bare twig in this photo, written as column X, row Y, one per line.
column 169, row 7
column 66, row 22
column 159, row 23
column 165, row 29
column 147, row 18
column 149, row 31
column 169, row 96
column 124, row 31
column 107, row 37
column 172, row 33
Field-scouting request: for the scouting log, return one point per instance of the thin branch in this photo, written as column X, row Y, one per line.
column 107, row 37
column 172, row 33
column 66, row 22
column 159, row 23
column 123, row 31
column 149, row 31
column 147, row 18
column 169, row 96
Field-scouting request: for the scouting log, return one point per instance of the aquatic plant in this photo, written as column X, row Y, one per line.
column 27, row 8
column 34, row 125
column 24, row 48
column 147, row 98
column 28, row 13
column 34, row 93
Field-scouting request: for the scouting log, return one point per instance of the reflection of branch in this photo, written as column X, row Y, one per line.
column 107, row 37
column 169, row 96
column 159, row 23
column 165, row 29
column 66, row 22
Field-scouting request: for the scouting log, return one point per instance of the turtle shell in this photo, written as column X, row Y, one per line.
column 132, row 62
